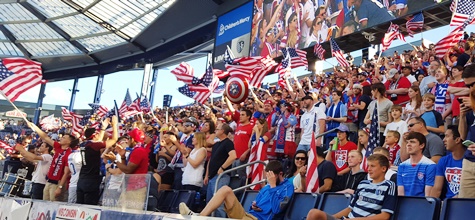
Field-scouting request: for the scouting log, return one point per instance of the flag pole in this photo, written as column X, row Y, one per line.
column 14, row 106
column 166, row 114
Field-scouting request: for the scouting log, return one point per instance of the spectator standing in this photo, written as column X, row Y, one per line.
column 397, row 124
column 312, row 117
column 443, row 104
column 432, row 118
column 413, row 107
column 361, row 104
column 449, row 168
column 429, row 81
column 185, row 145
column 242, row 136
column 396, row 87
column 194, row 164
column 44, row 162
column 392, row 140
column 285, row 132
column 456, row 90
column 164, row 157
column 416, row 175
column 336, row 114
column 222, row 157
column 384, row 108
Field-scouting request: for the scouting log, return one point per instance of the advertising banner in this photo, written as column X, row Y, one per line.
column 233, row 31
column 43, row 211
column 301, row 24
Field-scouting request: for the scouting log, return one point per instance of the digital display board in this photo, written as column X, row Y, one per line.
column 303, row 23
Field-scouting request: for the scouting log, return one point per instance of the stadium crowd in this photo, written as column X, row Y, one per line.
column 424, row 107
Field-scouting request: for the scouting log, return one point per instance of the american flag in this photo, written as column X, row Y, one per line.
column 208, row 76
column 200, row 97
column 312, row 171
column 462, row 10
column 135, row 106
column 100, row 110
column 299, row 57
column 284, row 70
column 393, row 33
column 145, row 105
column 220, row 73
column 85, row 119
column 258, row 152
column 128, row 99
column 185, row 90
column 243, row 67
column 228, row 56
column 319, row 51
column 336, row 52
column 267, row 64
column 66, row 114
column 445, row 43
column 50, row 123
column 74, row 118
column 184, row 72
column 7, row 147
column 415, row 23
column 374, row 135
column 18, row 75
column 220, row 89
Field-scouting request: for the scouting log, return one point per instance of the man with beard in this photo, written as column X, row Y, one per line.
column 313, row 118
column 429, row 81
column 360, row 104
column 397, row 87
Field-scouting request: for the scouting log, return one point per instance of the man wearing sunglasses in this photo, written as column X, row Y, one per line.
column 467, row 132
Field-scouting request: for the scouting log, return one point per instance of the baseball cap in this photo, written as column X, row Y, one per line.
column 357, row 86
column 343, row 128
column 137, row 135
column 192, row 120
column 392, row 72
column 268, row 102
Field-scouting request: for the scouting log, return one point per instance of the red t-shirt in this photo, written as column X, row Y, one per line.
column 340, row 156
column 455, row 102
column 242, row 135
column 60, row 160
column 139, row 156
column 402, row 83
column 393, row 152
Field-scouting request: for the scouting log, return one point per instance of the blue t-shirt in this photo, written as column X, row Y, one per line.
column 270, row 199
column 432, row 119
column 471, row 135
column 451, row 170
column 416, row 178
column 373, row 12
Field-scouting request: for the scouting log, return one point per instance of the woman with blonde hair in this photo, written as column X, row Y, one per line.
column 194, row 163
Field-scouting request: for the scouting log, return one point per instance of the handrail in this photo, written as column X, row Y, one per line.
column 238, row 168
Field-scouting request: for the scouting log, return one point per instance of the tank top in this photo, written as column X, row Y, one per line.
column 191, row 175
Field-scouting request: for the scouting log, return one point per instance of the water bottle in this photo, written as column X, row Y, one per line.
column 335, row 144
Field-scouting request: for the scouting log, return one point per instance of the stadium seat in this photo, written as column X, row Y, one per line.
column 186, row 196
column 332, row 203
column 166, row 199
column 300, row 205
column 412, row 207
column 247, row 198
column 456, row 208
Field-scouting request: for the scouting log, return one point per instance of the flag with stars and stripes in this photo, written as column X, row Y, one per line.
column 185, row 73
column 462, row 10
column 74, row 118
column 228, row 56
column 443, row 46
column 312, row 182
column 336, row 52
column 220, row 73
column 208, row 76
column 374, row 135
column 284, row 71
column 220, row 89
column 85, row 119
column 319, row 51
column 99, row 110
column 128, row 98
column 200, row 97
column 18, row 75
column 145, row 105
column 415, row 23
column 298, row 57
column 393, row 33
column 266, row 65
column 135, row 106
column 185, row 90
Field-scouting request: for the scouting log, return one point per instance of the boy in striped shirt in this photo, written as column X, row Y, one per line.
column 376, row 198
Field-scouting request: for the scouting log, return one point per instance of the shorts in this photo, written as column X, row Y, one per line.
column 167, row 178
column 237, row 211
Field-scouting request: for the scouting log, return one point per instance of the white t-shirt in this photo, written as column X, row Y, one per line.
column 306, row 124
column 307, row 8
column 400, row 126
column 194, row 176
column 74, row 165
column 42, row 168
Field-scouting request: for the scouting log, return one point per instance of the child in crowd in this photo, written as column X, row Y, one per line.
column 392, row 139
column 397, row 124
column 433, row 119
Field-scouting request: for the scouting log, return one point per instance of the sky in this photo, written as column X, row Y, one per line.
column 116, row 84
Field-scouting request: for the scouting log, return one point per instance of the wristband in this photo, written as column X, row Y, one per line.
column 222, row 168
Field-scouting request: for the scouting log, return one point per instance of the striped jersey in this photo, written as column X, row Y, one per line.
column 373, row 198
column 415, row 177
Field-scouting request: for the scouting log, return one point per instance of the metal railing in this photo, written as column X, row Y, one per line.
column 238, row 168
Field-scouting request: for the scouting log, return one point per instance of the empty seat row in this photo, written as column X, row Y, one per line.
column 407, row 208
column 169, row 200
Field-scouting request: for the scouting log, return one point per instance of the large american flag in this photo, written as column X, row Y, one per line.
column 336, row 52
column 447, row 42
column 220, row 89
column 415, row 23
column 258, row 152
column 74, row 118
column 266, row 65
column 243, row 67
column 200, row 97
column 393, row 33
column 374, row 135
column 184, row 72
column 319, row 51
column 312, row 168
column 298, row 57
column 462, row 10
column 135, row 106
column 145, row 105
column 100, row 110
column 18, row 75
column 85, row 119
column 284, row 70
column 220, row 73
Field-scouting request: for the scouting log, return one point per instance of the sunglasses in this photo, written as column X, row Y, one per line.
column 300, row 158
column 412, row 124
column 188, row 124
column 470, row 85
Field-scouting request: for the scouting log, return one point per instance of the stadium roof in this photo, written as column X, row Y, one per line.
column 81, row 38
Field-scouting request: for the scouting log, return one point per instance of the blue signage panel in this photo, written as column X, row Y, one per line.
column 234, row 24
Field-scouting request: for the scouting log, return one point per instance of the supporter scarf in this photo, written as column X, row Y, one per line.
column 280, row 141
column 334, row 113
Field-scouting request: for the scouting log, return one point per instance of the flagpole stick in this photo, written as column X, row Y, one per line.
column 166, row 114
column 14, row 106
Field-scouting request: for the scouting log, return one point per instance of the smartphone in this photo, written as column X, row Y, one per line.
column 460, row 100
column 468, row 143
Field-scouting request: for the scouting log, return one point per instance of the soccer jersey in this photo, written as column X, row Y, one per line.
column 451, row 170
column 414, row 178
column 373, row 198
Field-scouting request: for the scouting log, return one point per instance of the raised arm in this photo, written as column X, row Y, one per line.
column 41, row 133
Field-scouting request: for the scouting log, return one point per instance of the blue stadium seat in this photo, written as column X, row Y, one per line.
column 186, row 196
column 247, row 198
column 332, row 203
column 412, row 207
column 166, row 199
column 300, row 205
column 456, row 208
